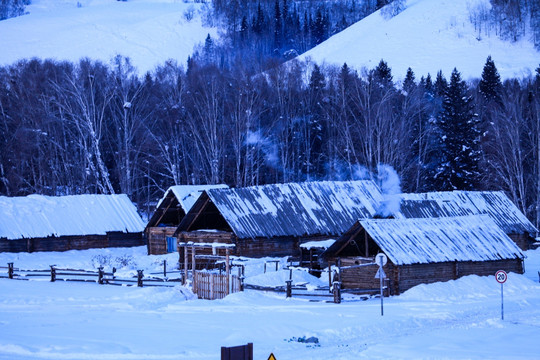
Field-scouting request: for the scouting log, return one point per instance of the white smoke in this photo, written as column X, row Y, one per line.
column 390, row 185
column 269, row 149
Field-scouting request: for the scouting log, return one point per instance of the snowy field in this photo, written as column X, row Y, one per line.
column 453, row 320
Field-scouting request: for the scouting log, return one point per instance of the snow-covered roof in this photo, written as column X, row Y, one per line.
column 323, row 244
column 458, row 203
column 188, row 194
column 432, row 240
column 296, row 209
column 37, row 216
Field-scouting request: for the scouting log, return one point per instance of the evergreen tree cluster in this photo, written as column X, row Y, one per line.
column 281, row 29
column 12, row 8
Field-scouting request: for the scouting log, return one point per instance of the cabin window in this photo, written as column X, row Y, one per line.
column 171, row 244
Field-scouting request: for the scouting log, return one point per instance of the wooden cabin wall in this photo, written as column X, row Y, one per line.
column 121, row 239
column 76, row 242
column 156, row 239
column 223, row 237
column 256, row 248
column 407, row 276
column 523, row 241
column 404, row 277
column 361, row 277
column 278, row 247
column 19, row 245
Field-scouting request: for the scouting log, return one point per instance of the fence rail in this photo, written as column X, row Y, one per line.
column 79, row 275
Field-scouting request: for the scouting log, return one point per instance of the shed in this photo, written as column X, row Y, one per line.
column 273, row 220
column 75, row 222
column 495, row 204
column 423, row 251
column 170, row 210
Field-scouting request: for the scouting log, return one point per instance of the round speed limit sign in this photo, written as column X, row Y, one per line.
column 501, row 276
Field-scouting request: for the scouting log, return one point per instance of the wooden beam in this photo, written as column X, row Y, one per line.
column 194, row 284
column 196, row 216
column 165, row 210
column 366, row 242
column 185, row 264
column 349, row 240
column 227, row 269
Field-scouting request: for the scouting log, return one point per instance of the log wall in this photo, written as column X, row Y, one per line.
column 402, row 278
column 156, row 238
column 523, row 241
column 78, row 242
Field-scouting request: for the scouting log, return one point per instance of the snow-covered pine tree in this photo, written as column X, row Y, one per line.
column 490, row 85
column 460, row 136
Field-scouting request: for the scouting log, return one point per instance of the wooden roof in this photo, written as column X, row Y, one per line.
column 495, row 204
column 433, row 240
column 293, row 209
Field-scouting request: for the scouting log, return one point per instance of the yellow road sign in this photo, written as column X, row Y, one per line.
column 271, row 357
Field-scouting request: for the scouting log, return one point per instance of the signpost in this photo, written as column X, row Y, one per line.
column 501, row 276
column 381, row 260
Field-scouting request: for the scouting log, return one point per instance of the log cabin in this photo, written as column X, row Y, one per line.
column 170, row 210
column 76, row 222
column 495, row 204
column 274, row 220
column 422, row 251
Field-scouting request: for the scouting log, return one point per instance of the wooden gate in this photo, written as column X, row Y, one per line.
column 212, row 286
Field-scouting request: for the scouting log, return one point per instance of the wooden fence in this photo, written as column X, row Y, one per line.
column 212, row 286
column 92, row 276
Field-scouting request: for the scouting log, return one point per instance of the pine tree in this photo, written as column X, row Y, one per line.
column 318, row 28
column 258, row 22
column 460, row 136
column 383, row 74
column 408, row 84
column 490, row 85
column 278, row 26
column 440, row 84
column 244, row 29
column 317, row 84
column 428, row 88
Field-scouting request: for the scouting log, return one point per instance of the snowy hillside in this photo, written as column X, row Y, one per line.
column 428, row 36
column 147, row 31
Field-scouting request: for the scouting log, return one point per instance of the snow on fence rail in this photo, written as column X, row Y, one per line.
column 79, row 275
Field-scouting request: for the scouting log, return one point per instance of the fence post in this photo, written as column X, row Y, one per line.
column 337, row 292
column 139, row 278
column 164, row 268
column 241, row 278
column 289, row 288
column 53, row 273
column 100, row 275
column 10, row 270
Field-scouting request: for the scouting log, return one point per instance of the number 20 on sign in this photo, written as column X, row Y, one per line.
column 501, row 276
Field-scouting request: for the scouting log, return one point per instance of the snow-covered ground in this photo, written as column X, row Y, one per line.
column 453, row 320
column 148, row 32
column 428, row 36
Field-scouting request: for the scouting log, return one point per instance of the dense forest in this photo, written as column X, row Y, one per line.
column 237, row 113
